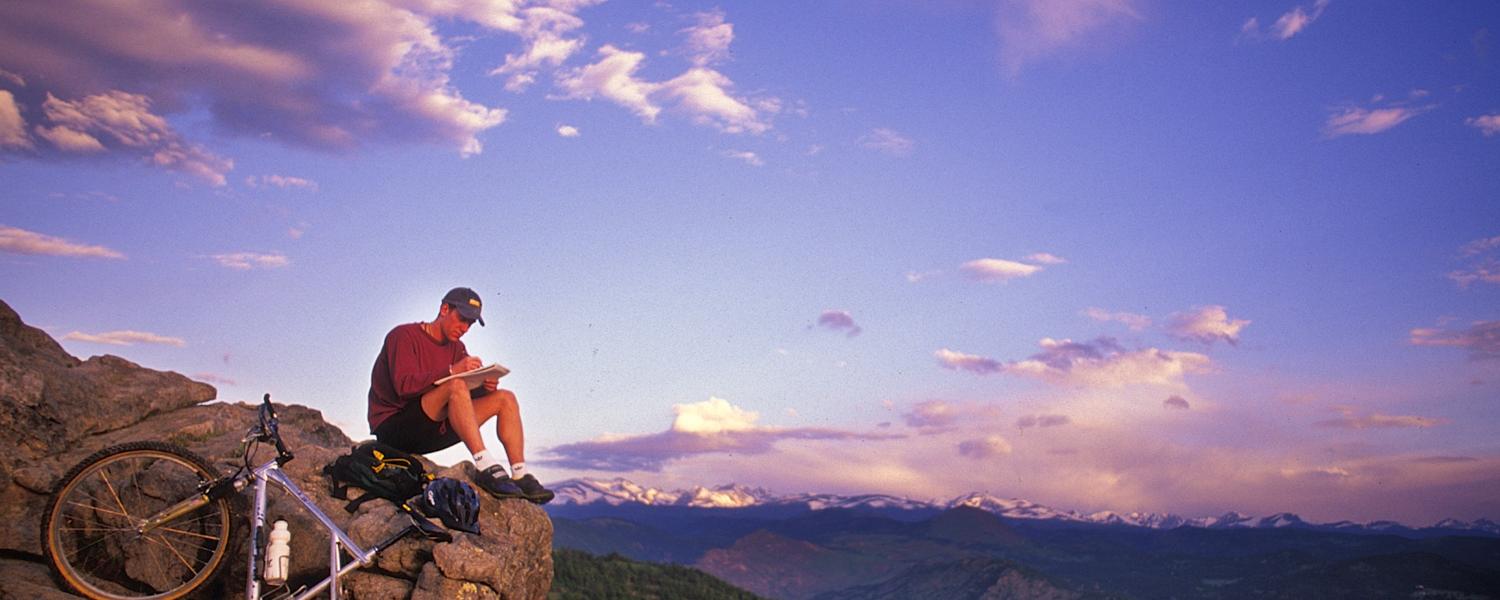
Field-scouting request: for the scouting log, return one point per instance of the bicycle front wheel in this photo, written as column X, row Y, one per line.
column 91, row 530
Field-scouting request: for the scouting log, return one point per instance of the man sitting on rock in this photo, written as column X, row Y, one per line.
column 410, row 411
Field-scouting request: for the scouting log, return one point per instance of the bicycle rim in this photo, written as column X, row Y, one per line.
column 91, row 540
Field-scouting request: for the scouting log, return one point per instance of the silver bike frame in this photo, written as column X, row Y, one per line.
column 271, row 471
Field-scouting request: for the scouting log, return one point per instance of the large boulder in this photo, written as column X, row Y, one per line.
column 56, row 410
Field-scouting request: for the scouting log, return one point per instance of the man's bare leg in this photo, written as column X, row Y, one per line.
column 501, row 405
column 451, row 402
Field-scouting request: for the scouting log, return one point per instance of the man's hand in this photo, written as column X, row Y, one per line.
column 467, row 363
column 491, row 384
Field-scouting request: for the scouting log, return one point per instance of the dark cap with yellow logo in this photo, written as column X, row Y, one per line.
column 466, row 301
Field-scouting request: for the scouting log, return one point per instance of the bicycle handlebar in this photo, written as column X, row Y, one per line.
column 271, row 430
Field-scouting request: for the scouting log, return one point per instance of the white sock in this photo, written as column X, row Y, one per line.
column 518, row 470
column 484, row 461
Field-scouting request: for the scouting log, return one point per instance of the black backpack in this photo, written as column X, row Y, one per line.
column 379, row 469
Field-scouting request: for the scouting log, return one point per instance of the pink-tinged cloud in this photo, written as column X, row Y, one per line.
column 1489, row 124
column 997, row 269
column 932, row 414
column 12, row 124
column 987, row 447
column 1043, row 258
column 887, row 141
column 1105, row 363
column 1479, row 246
column 1101, row 363
column 839, row 320
column 20, row 241
column 125, row 338
column 1297, row 19
column 958, row 361
column 321, row 74
column 245, row 261
column 1134, row 321
column 1351, row 419
column 711, row 427
column 1029, row 421
column 1367, row 121
column 1206, row 325
column 1481, row 339
column 1032, row 30
column 121, row 124
column 1482, row 265
column 1175, row 402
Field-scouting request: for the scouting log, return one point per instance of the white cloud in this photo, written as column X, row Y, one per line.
column 750, row 158
column 282, row 181
column 613, row 78
column 12, row 124
column 244, row 261
column 704, row 94
column 714, row 415
column 989, row 446
column 1206, row 325
column 1031, row 30
column 887, row 141
column 544, row 31
column 952, row 359
column 712, row 427
column 1487, row 124
column 708, row 40
column 1134, row 321
column 125, row 338
column 997, row 269
column 1044, row 258
column 21, row 241
column 567, row 131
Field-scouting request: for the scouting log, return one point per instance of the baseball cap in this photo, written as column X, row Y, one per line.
column 466, row 301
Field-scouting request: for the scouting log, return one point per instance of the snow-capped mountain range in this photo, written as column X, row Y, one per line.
column 616, row 492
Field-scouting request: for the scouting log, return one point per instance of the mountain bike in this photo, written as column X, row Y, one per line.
column 152, row 521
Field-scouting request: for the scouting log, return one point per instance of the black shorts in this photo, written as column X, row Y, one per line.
column 412, row 431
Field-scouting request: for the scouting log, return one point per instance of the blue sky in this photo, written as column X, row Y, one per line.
column 1101, row 254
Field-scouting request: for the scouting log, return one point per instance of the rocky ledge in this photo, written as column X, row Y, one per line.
column 55, row 410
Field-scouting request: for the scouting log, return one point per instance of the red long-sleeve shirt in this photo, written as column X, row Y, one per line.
column 409, row 362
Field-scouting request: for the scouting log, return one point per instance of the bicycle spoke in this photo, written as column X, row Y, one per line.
column 163, row 541
column 105, row 477
column 189, row 533
column 99, row 509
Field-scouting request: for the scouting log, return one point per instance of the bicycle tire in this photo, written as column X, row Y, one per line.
column 92, row 550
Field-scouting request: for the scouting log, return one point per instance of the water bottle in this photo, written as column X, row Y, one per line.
column 278, row 554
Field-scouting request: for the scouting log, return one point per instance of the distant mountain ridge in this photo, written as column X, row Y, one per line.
column 620, row 491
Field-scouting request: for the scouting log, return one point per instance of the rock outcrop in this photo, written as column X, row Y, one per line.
column 55, row 410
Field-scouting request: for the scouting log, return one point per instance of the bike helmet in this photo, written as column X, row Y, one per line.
column 453, row 502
